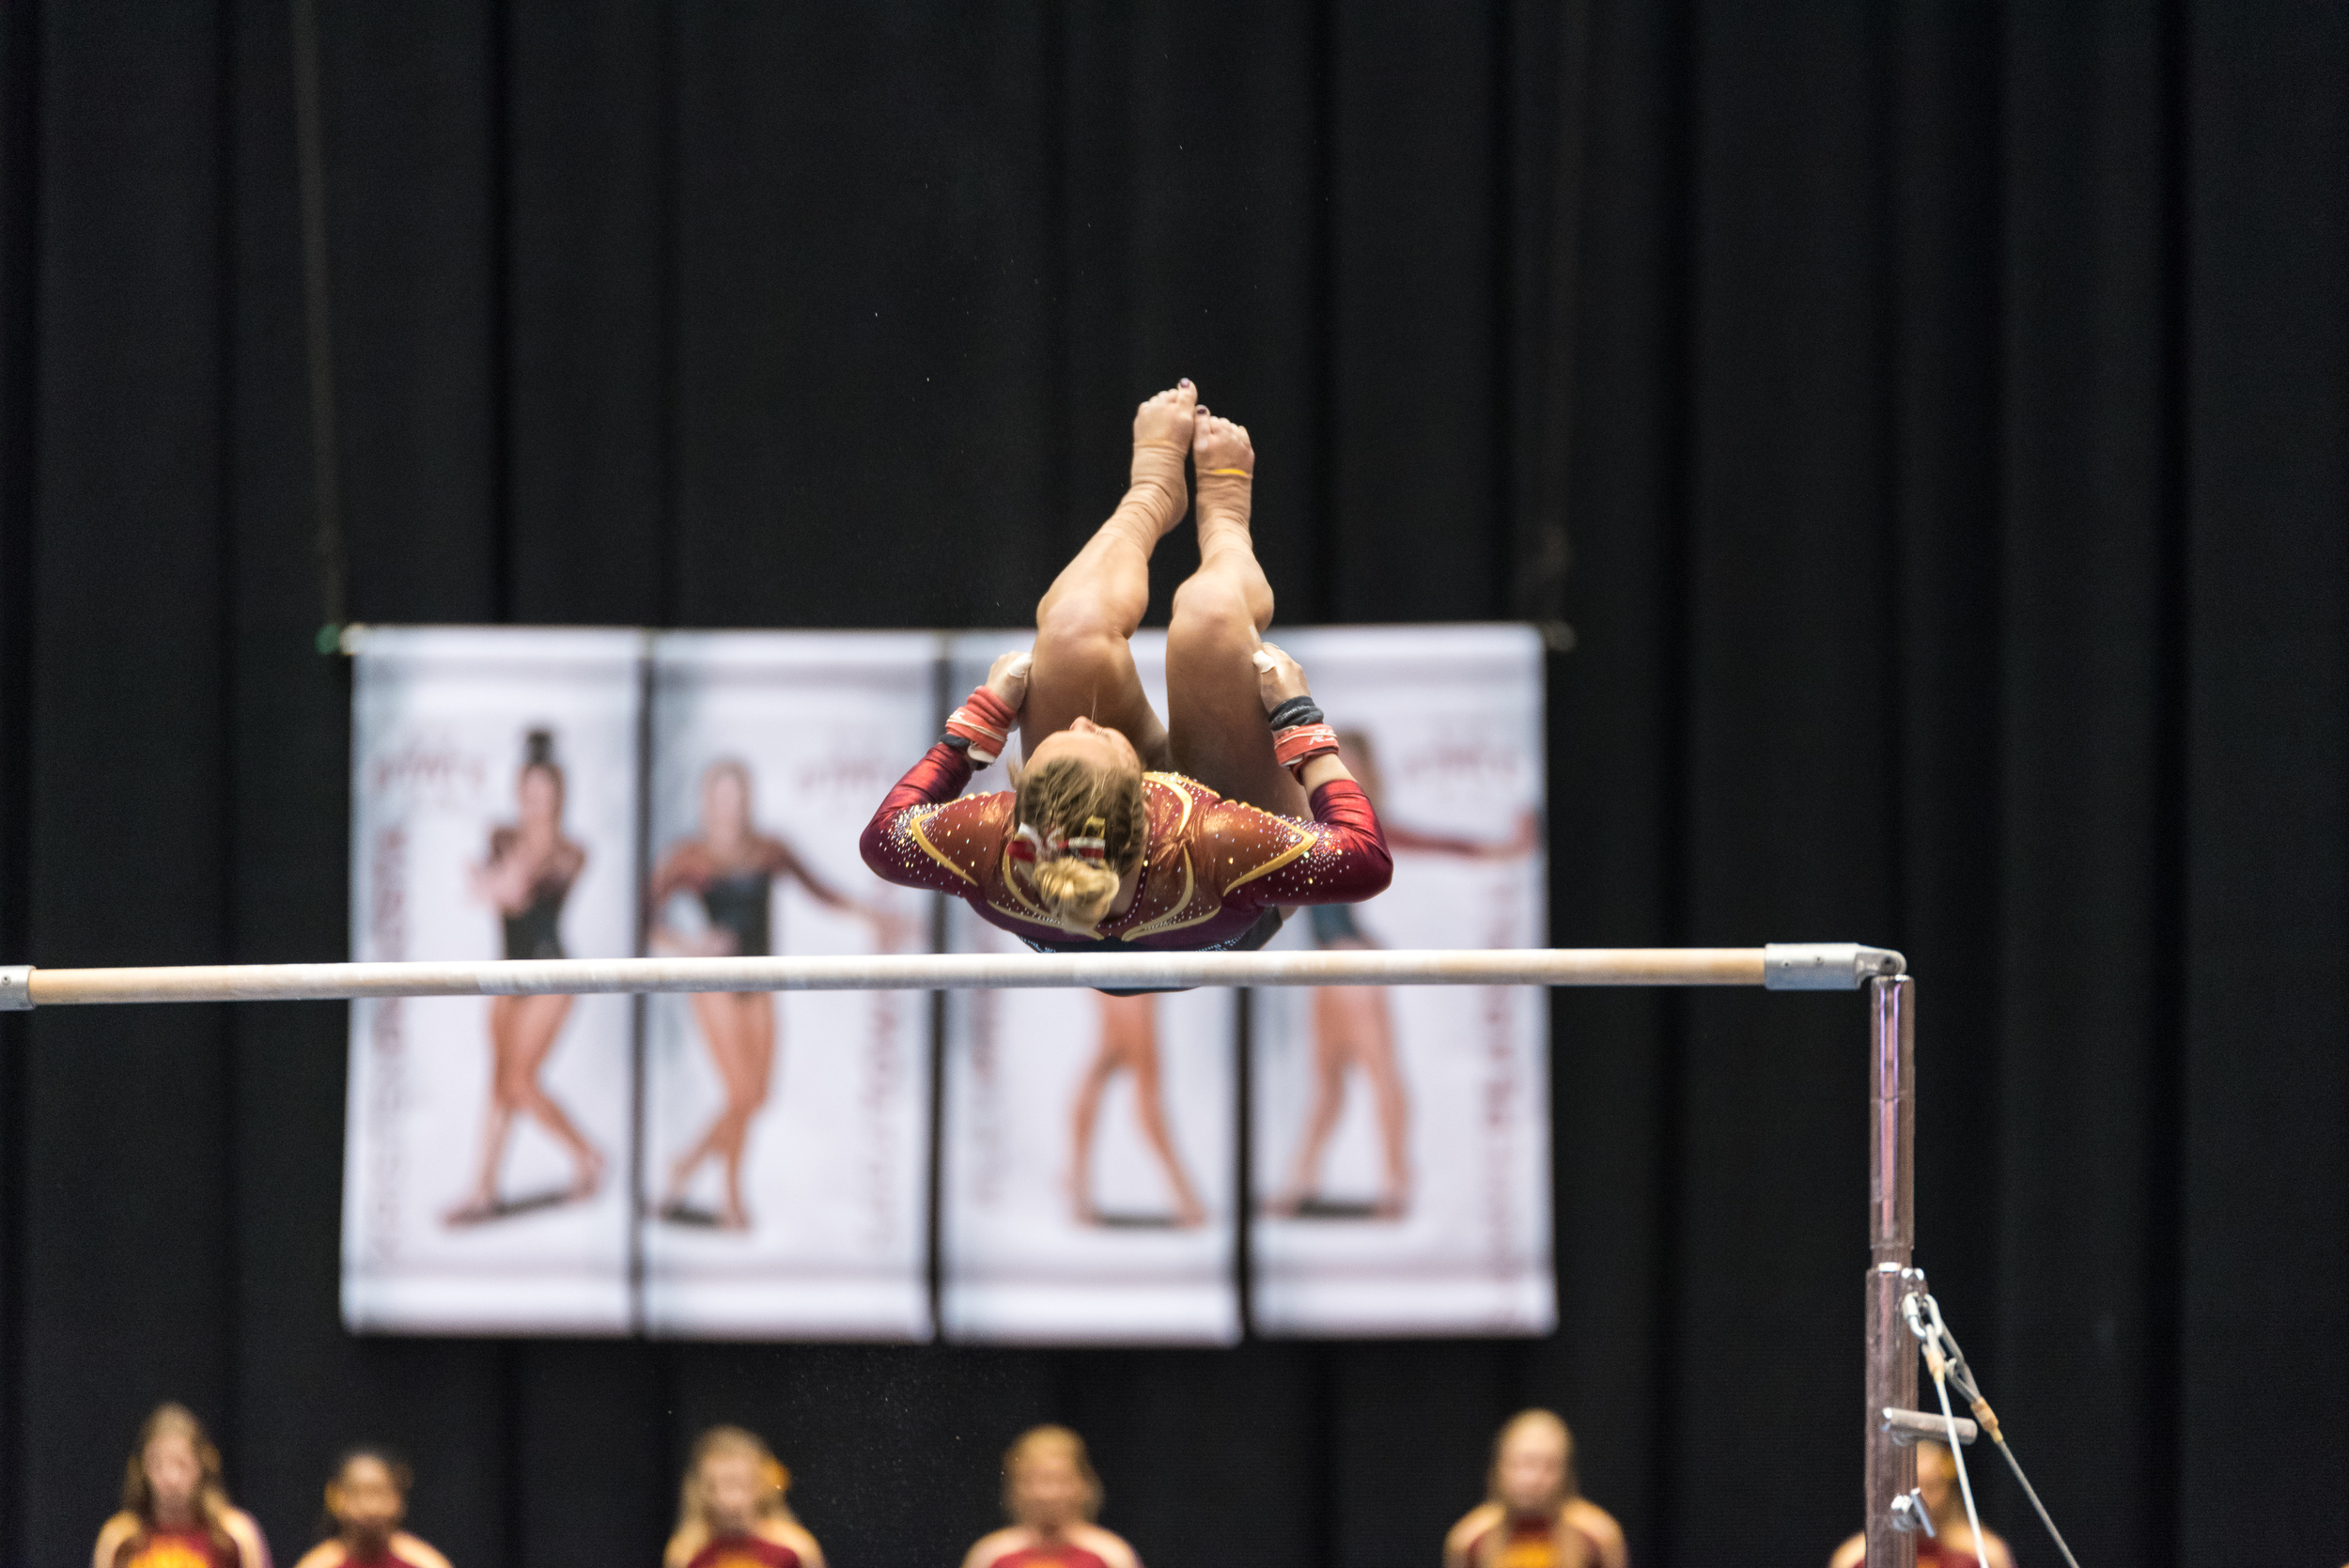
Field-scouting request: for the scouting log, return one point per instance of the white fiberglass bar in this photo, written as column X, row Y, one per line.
column 1795, row 965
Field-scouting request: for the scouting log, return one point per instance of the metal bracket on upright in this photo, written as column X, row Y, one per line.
column 1826, row 966
column 1923, row 1426
column 16, row 988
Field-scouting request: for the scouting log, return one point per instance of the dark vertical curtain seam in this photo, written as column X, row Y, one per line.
column 1320, row 601
column 2160, row 1363
column 1507, row 230
column 497, row 79
column 19, row 165
column 224, row 1021
column 1680, row 105
column 1884, row 684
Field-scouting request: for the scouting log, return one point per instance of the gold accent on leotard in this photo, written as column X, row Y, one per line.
column 1182, row 786
column 914, row 825
column 1304, row 842
column 1167, row 920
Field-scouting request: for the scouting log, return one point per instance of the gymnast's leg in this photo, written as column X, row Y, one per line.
column 1084, row 668
column 1215, row 708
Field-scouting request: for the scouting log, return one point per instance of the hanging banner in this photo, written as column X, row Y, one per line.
column 1088, row 1158
column 787, row 1137
column 494, row 815
column 1400, row 1137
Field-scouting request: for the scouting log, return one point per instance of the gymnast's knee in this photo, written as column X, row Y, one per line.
column 1076, row 623
column 1210, row 608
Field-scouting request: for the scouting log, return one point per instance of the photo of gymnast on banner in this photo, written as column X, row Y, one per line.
column 494, row 806
column 1087, row 1182
column 1401, row 1136
column 759, row 1165
column 786, row 1157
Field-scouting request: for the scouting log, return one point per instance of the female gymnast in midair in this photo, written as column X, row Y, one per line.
column 731, row 867
column 1051, row 1494
column 532, row 865
column 1533, row 1515
column 368, row 1499
column 1100, row 848
column 732, row 1513
column 176, row 1512
column 1354, row 1026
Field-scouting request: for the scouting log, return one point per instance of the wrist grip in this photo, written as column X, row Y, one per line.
column 1298, row 744
column 983, row 724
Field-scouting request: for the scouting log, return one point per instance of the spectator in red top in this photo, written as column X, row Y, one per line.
column 732, row 1513
column 176, row 1512
column 1051, row 1494
column 367, row 1500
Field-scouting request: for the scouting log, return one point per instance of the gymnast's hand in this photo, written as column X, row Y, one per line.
column 1007, row 678
column 1279, row 678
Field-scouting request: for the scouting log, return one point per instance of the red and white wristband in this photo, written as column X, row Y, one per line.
column 1298, row 744
column 983, row 724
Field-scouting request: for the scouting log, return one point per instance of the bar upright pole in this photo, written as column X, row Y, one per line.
column 1891, row 1381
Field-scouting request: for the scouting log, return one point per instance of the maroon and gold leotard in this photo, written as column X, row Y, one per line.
column 390, row 1559
column 1067, row 1554
column 745, row 1551
column 1531, row 1542
column 1211, row 871
column 176, row 1549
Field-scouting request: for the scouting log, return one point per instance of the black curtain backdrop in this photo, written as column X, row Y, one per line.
column 1948, row 408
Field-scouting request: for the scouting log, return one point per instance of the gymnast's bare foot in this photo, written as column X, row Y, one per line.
column 588, row 1178
column 1163, row 437
column 1226, row 465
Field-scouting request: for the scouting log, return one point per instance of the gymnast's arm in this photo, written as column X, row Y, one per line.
column 1340, row 857
column 988, row 1547
column 110, row 1536
column 923, row 809
column 922, row 825
column 1107, row 1546
column 1459, row 1546
column 791, row 1533
column 781, row 860
column 1345, row 859
column 252, row 1546
column 1599, row 1528
column 685, row 866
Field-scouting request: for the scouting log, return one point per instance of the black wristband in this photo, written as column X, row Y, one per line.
column 1297, row 710
column 960, row 742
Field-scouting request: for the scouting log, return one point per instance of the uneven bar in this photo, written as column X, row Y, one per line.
column 1840, row 966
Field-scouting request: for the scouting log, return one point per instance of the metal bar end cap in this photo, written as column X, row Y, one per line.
column 1826, row 966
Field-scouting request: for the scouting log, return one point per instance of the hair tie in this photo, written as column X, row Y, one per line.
column 1032, row 848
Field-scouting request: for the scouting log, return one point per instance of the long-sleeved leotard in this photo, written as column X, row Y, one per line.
column 1211, row 869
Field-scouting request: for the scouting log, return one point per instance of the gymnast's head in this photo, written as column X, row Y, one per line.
column 1081, row 819
column 1936, row 1477
column 174, row 1477
column 726, row 801
column 1048, row 1483
column 732, row 1483
column 540, row 789
column 367, row 1502
column 1533, row 1464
